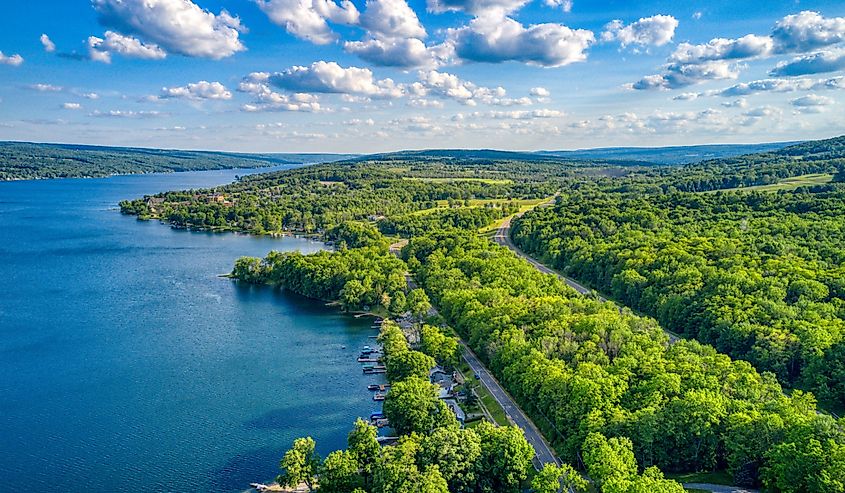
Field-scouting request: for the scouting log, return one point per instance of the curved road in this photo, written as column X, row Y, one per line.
column 502, row 237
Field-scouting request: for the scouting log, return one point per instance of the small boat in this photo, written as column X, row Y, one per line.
column 342, row 347
column 374, row 386
column 378, row 396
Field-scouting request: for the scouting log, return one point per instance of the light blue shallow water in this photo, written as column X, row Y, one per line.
column 127, row 364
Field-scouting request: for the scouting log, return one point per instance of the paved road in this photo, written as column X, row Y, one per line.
column 502, row 237
column 544, row 453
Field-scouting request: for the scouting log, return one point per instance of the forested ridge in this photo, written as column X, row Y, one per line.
column 760, row 275
column 29, row 161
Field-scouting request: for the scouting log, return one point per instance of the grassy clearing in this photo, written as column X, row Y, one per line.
column 524, row 206
column 716, row 477
column 785, row 184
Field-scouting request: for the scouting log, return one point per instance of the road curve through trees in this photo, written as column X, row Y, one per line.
column 502, row 237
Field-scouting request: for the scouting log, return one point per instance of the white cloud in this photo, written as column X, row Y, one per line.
column 656, row 30
column 749, row 46
column 697, row 15
column 565, row 5
column 177, row 26
column 307, row 19
column 91, row 95
column 737, row 103
column 815, row 63
column 812, row 103
column 72, row 106
column 392, row 52
column 258, row 84
column 807, row 31
column 47, row 43
column 678, row 75
column 687, row 96
column 329, row 77
column 392, row 19
column 781, row 85
column 13, row 60
column 495, row 38
column 46, row 88
column 126, row 114
column 198, row 91
column 540, row 92
column 720, row 58
column 477, row 7
column 450, row 86
column 101, row 50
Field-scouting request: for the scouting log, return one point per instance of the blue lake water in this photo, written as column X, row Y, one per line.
column 126, row 363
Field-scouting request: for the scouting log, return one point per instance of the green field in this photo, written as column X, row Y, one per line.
column 489, row 181
column 785, row 184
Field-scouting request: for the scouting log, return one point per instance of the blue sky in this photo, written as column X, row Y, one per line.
column 378, row 75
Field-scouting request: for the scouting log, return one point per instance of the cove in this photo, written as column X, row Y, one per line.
column 126, row 363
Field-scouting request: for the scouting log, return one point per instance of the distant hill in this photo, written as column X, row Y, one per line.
column 488, row 155
column 669, row 155
column 25, row 160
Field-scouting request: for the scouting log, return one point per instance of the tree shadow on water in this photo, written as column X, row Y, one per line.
column 259, row 465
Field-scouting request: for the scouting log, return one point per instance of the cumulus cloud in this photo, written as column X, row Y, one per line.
column 13, row 60
column 807, row 31
column 656, row 30
column 308, row 19
column 540, row 92
column 392, row 52
column 196, row 91
column 450, row 86
column 266, row 99
column 496, row 38
column 71, row 106
column 721, row 58
column 392, row 19
column 329, row 77
column 177, row 26
column 815, row 63
column 737, row 103
column 479, row 7
column 781, row 85
column 812, row 103
column 47, row 43
column 565, row 5
column 101, row 50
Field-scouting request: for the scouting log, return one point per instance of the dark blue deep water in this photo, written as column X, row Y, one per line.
column 126, row 363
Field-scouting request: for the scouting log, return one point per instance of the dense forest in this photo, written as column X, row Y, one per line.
column 30, row 161
column 760, row 275
column 587, row 371
column 757, row 274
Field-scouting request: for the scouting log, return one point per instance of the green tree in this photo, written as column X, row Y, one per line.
column 418, row 302
column 455, row 451
column 300, row 464
column 609, row 460
column 340, row 473
column 362, row 444
column 412, row 406
column 557, row 479
column 505, row 458
column 408, row 364
column 398, row 303
column 442, row 348
column 352, row 294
